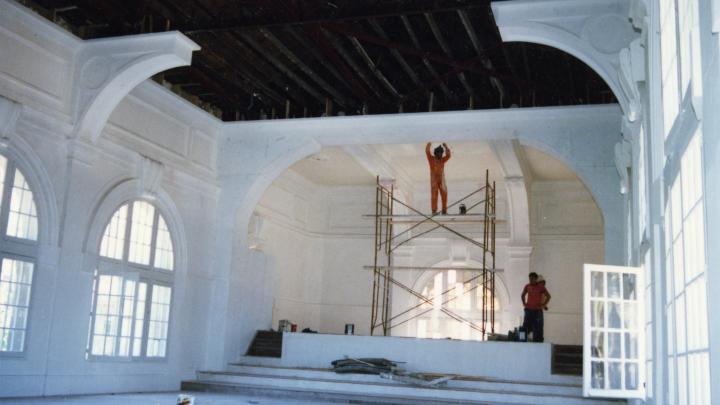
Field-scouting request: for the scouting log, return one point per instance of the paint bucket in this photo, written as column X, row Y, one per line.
column 184, row 399
column 349, row 328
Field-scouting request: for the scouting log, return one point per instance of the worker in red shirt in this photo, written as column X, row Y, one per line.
column 535, row 298
column 437, row 161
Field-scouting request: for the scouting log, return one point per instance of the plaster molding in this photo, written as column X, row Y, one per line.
column 106, row 70
column 9, row 114
column 516, row 186
column 582, row 138
column 594, row 31
column 116, row 194
column 375, row 163
column 31, row 165
column 519, row 252
column 149, row 175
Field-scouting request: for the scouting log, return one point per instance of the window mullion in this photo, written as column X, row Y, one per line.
column 146, row 319
column 153, row 239
column 128, row 228
column 6, row 199
column 93, row 311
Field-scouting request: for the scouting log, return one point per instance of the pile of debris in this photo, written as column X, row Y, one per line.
column 389, row 369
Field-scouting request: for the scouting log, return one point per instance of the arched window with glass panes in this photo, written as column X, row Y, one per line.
column 133, row 285
column 18, row 255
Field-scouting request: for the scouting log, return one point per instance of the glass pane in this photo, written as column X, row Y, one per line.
column 614, row 345
column 113, row 242
column 163, row 247
column 613, row 285
column 630, row 315
column 22, row 217
column 598, row 314
column 597, row 284
column 614, row 315
column 15, row 289
column 598, row 344
column 631, row 345
column 159, row 317
column 629, row 287
column 598, row 374
column 141, row 228
column 3, row 170
column 631, row 376
column 615, row 375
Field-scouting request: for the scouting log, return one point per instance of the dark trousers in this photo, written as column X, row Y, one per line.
column 534, row 322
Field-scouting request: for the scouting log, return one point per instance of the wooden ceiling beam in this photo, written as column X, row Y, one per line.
column 240, row 74
column 440, row 38
column 373, row 67
column 318, row 55
column 445, row 60
column 292, row 20
column 484, row 57
column 410, row 72
column 339, row 98
column 335, row 42
column 277, row 64
column 426, row 62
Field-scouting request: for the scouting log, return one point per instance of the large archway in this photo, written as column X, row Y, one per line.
column 309, row 228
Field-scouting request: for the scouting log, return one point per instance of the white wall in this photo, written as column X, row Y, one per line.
column 316, row 243
column 566, row 232
column 73, row 181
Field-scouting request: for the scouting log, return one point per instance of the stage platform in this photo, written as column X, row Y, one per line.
column 499, row 360
column 484, row 373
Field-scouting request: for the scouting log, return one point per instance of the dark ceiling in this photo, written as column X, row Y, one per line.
column 294, row 58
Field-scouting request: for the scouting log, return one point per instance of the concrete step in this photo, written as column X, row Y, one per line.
column 574, row 388
column 324, row 384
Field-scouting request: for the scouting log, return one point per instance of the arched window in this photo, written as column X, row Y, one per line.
column 463, row 296
column 133, row 285
column 18, row 253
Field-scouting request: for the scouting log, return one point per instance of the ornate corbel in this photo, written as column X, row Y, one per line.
column 149, row 175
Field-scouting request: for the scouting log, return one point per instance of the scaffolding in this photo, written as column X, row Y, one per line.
column 387, row 241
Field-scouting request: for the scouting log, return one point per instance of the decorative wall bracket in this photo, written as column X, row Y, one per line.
column 9, row 113
column 594, row 31
column 149, row 174
column 106, row 70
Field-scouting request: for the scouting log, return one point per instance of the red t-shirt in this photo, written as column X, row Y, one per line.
column 534, row 296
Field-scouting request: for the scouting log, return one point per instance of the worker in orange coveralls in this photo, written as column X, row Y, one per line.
column 437, row 175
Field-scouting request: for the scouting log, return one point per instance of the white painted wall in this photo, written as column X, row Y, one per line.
column 213, row 176
column 315, row 242
column 77, row 184
column 502, row 360
column 566, row 232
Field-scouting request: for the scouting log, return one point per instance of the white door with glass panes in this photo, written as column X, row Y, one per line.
column 613, row 334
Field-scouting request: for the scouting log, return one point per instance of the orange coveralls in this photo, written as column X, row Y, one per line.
column 437, row 178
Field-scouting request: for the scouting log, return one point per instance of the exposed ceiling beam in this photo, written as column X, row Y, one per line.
column 445, row 60
column 239, row 74
column 446, row 48
column 426, row 62
column 349, row 60
column 284, row 69
column 396, row 54
column 339, row 98
column 467, row 23
column 336, row 60
column 251, row 24
column 373, row 67
column 313, row 49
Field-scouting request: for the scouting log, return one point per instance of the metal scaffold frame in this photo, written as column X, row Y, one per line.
column 386, row 242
